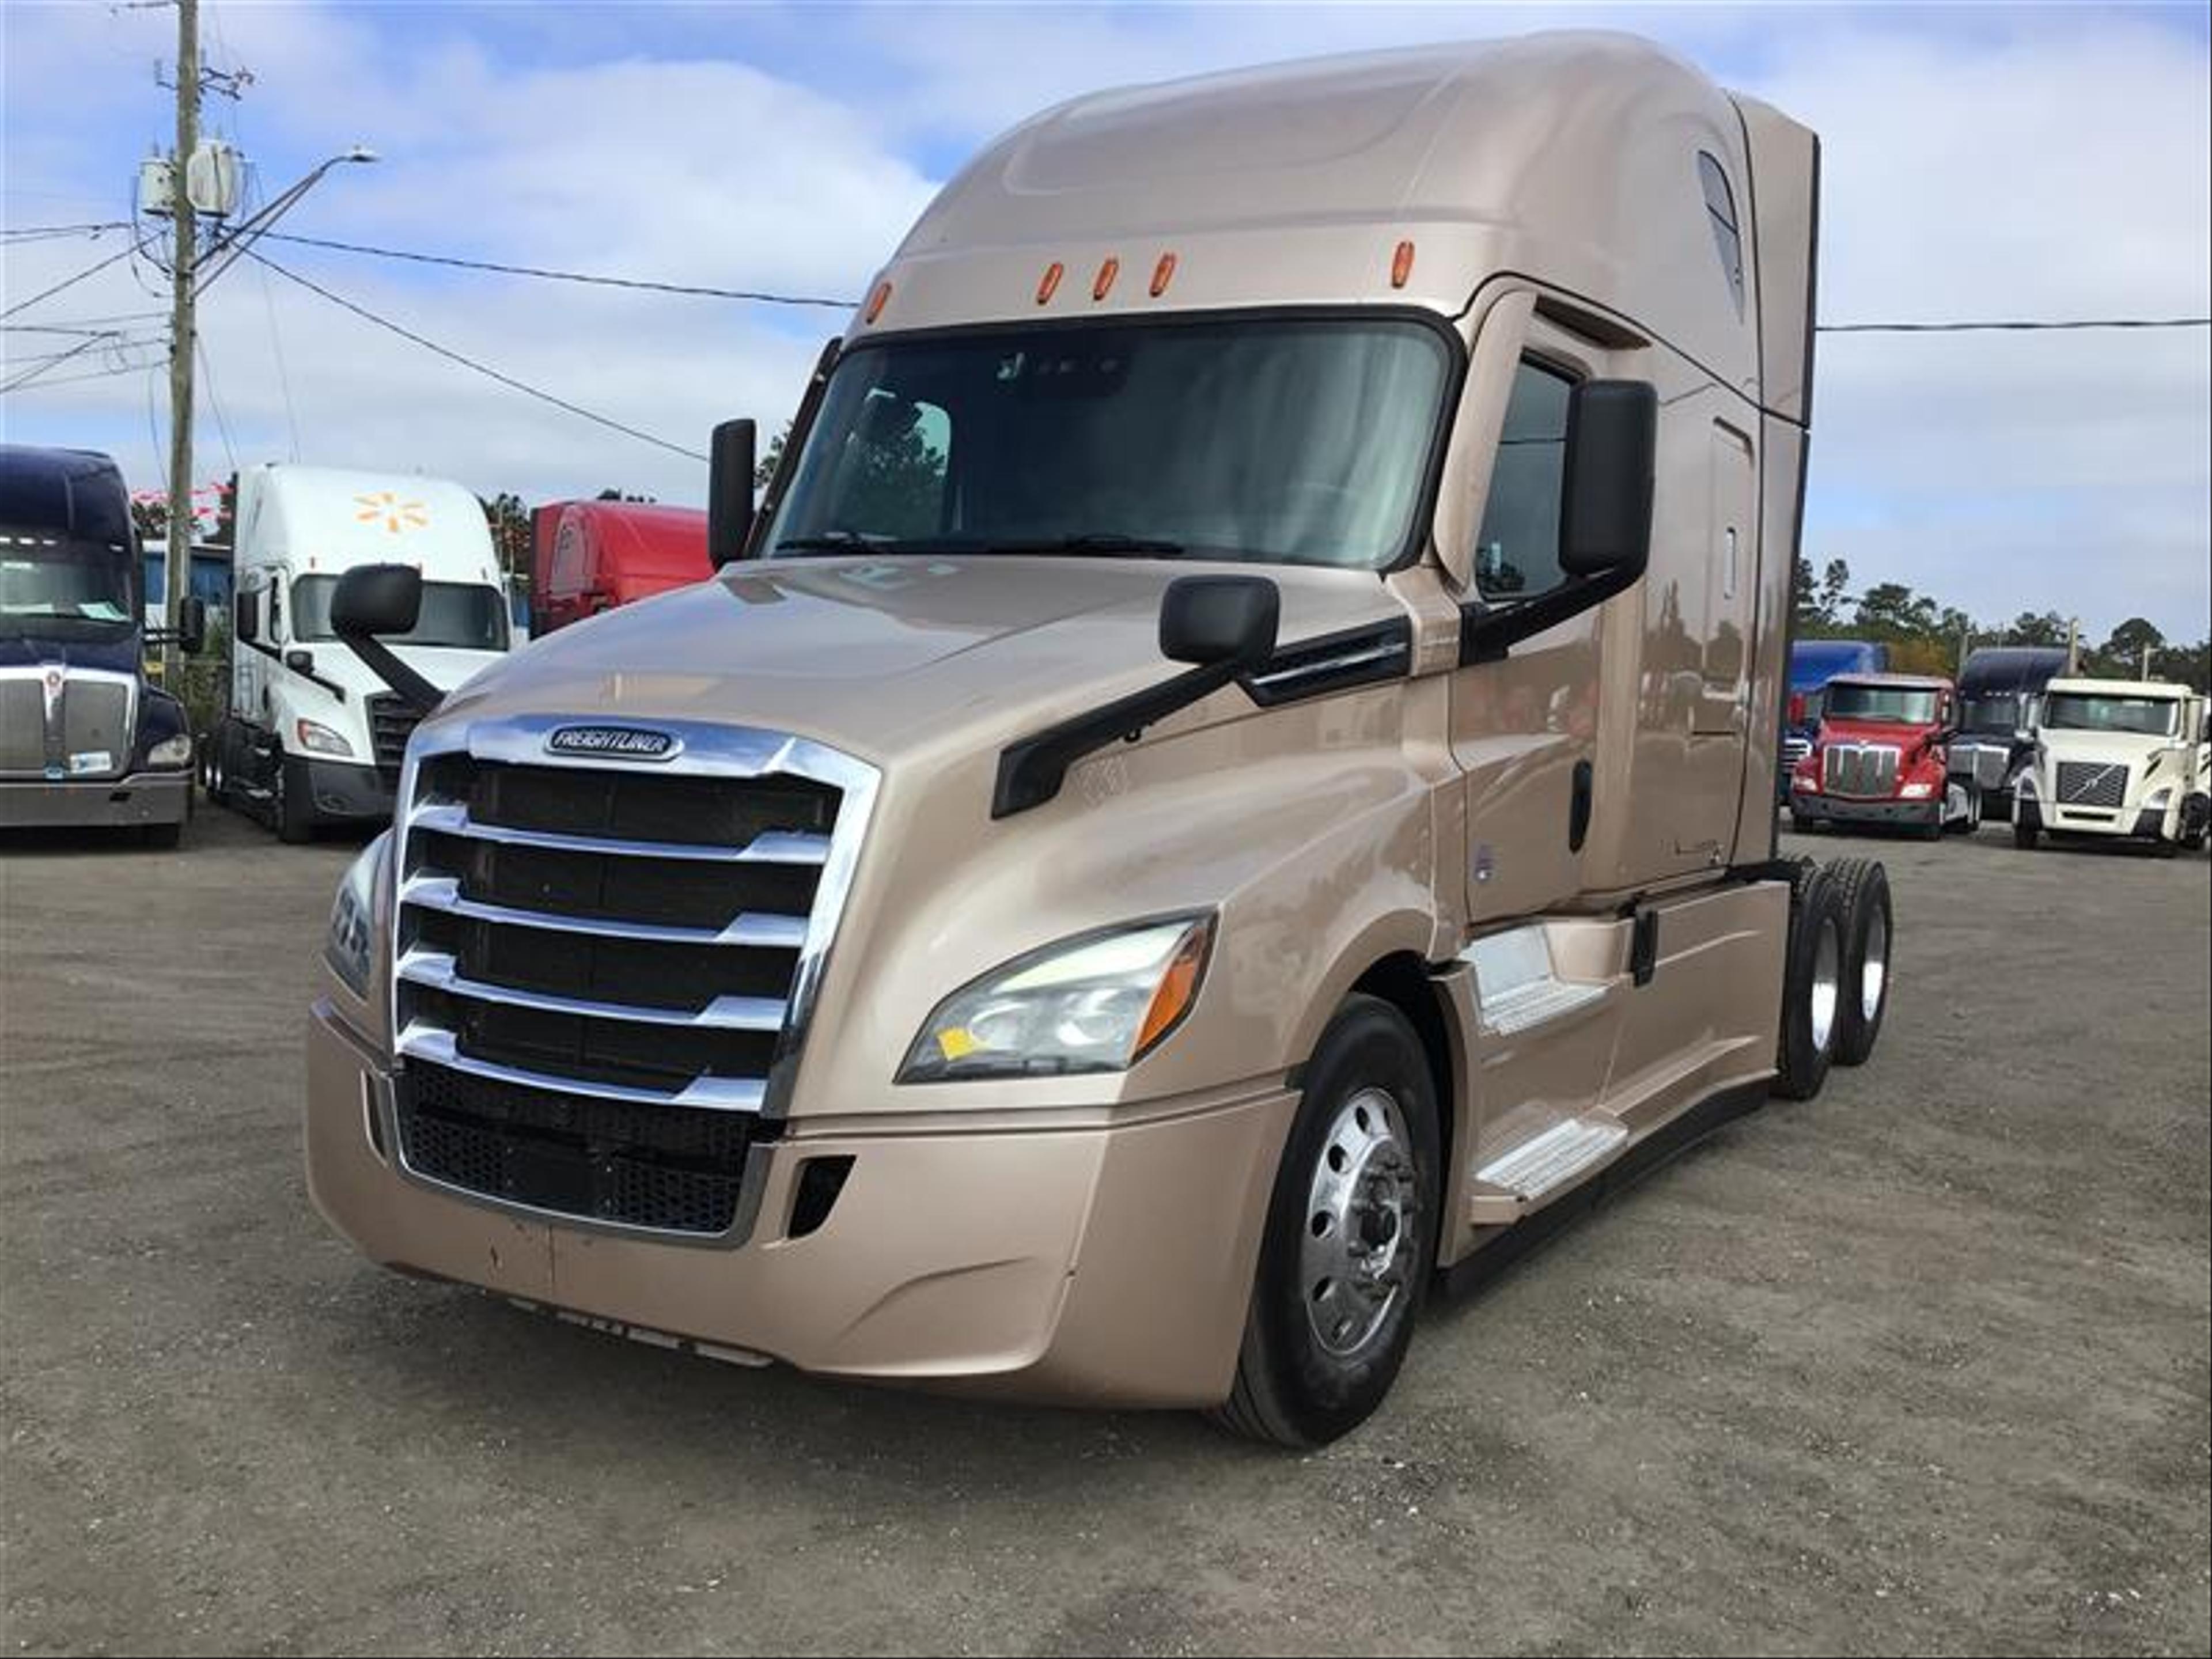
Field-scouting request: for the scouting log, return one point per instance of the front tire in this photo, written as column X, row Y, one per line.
column 293, row 806
column 2024, row 835
column 1351, row 1236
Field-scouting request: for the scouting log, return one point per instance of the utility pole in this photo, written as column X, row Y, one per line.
column 2073, row 646
column 182, row 275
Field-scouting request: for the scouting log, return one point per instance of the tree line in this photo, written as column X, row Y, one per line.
column 1926, row 637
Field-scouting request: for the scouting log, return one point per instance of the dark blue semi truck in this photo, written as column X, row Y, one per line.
column 2000, row 696
column 1813, row 664
column 85, row 740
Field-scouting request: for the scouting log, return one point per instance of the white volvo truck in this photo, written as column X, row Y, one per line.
column 310, row 736
column 1232, row 769
column 2122, row 760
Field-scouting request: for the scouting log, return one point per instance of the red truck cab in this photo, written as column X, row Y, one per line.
column 1880, row 757
column 590, row 556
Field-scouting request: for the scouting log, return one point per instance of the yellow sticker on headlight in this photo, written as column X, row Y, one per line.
column 955, row 1041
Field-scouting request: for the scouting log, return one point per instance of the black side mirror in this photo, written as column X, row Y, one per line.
column 730, row 491
column 243, row 627
column 300, row 661
column 374, row 600
column 1214, row 620
column 1605, row 511
column 192, row 625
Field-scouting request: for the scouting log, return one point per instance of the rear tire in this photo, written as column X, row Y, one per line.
column 1351, row 1236
column 1862, row 887
column 1812, row 985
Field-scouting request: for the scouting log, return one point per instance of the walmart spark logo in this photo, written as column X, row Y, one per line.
column 386, row 508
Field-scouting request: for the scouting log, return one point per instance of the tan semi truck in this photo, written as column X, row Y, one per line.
column 1232, row 768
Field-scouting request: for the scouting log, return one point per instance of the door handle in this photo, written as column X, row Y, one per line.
column 1578, row 806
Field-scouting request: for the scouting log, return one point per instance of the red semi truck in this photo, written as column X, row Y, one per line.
column 1880, row 757
column 590, row 556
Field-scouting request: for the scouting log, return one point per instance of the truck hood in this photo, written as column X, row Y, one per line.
column 1892, row 733
column 878, row 656
column 2114, row 748
column 118, row 655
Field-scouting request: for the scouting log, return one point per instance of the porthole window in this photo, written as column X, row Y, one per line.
column 1720, row 210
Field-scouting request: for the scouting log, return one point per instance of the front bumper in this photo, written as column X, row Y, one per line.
column 1095, row 1266
column 113, row 802
column 2145, row 823
column 343, row 790
column 1845, row 809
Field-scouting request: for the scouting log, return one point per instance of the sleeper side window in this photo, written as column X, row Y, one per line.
column 1720, row 212
column 1516, row 551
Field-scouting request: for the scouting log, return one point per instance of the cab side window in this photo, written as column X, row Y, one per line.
column 276, row 610
column 1516, row 551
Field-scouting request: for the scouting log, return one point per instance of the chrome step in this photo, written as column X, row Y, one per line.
column 1515, row 988
column 1549, row 1160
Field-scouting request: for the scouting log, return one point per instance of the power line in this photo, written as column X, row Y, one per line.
column 755, row 296
column 222, row 425
column 13, row 233
column 451, row 355
column 109, row 373
column 2016, row 325
column 92, row 269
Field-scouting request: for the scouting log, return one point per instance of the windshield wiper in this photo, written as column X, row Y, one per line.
column 836, row 541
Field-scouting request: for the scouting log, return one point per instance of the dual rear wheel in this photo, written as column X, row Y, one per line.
column 1836, row 972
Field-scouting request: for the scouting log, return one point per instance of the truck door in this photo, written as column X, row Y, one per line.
column 246, row 663
column 1524, row 728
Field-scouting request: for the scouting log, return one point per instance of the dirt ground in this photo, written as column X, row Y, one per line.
column 1919, row 1365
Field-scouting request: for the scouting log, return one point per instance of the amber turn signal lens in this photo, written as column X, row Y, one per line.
column 1107, row 273
column 877, row 302
column 1402, row 264
column 1049, row 284
column 1162, row 274
column 1171, row 1001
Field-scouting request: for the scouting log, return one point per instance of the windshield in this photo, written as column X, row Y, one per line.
column 1905, row 705
column 2077, row 711
column 467, row 615
column 1996, row 711
column 1303, row 441
column 55, row 586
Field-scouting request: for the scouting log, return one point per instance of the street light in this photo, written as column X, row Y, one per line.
column 225, row 252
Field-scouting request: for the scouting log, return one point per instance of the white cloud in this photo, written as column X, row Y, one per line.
column 1999, row 163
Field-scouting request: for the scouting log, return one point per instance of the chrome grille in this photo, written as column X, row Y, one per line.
column 79, row 725
column 1795, row 749
column 1866, row 769
column 23, row 723
column 2093, row 783
column 598, row 962
column 96, row 713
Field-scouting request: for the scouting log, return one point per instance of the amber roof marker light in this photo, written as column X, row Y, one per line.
column 1162, row 274
column 877, row 302
column 1401, row 263
column 1049, row 284
column 1107, row 273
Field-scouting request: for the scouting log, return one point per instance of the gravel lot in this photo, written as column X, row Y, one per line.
column 1921, row 1364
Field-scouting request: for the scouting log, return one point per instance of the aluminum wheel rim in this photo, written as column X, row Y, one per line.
column 1827, row 985
column 1360, row 1213
column 1874, row 974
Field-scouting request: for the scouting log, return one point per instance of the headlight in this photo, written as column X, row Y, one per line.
column 1804, row 781
column 1098, row 1003
column 346, row 947
column 319, row 739
column 172, row 751
column 1917, row 790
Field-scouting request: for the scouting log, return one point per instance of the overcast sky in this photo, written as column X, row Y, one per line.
column 1982, row 162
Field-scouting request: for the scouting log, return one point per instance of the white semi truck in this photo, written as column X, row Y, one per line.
column 2120, row 759
column 310, row 736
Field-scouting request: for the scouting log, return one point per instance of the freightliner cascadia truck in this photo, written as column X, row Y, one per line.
column 1230, row 769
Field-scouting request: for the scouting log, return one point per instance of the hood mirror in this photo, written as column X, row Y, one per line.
column 376, row 600
column 1210, row 621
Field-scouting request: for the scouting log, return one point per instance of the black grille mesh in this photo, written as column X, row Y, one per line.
column 674, row 1168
